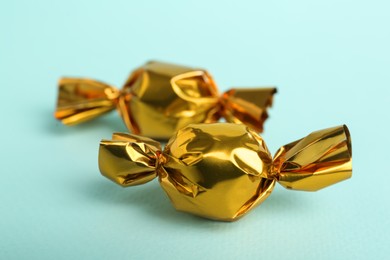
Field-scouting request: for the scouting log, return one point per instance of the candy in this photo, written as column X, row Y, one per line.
column 221, row 171
column 160, row 98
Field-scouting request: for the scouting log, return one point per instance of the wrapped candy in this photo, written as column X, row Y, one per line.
column 221, row 171
column 160, row 98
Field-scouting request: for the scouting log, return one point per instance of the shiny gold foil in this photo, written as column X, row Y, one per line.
column 160, row 98
column 222, row 170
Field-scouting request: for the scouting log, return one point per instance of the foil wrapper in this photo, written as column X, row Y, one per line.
column 160, row 98
column 221, row 171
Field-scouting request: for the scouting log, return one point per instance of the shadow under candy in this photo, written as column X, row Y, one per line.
column 151, row 198
column 282, row 201
column 110, row 122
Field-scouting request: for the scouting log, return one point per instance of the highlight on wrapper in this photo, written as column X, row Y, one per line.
column 221, row 171
column 161, row 98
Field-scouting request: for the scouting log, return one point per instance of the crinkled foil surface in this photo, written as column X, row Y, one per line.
column 221, row 171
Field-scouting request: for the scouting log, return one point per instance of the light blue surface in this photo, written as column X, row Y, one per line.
column 329, row 59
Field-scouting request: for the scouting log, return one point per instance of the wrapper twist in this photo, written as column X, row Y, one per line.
column 221, row 171
column 160, row 98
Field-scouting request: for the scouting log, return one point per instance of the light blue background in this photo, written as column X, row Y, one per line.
column 329, row 59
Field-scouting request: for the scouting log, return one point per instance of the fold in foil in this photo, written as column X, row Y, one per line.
column 161, row 98
column 222, row 170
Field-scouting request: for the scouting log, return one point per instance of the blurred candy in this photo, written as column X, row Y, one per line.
column 160, row 98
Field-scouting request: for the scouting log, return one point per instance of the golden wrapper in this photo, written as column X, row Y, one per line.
column 160, row 98
column 221, row 171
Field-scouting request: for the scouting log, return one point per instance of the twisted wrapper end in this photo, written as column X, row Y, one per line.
column 247, row 106
column 80, row 100
column 128, row 159
column 319, row 160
